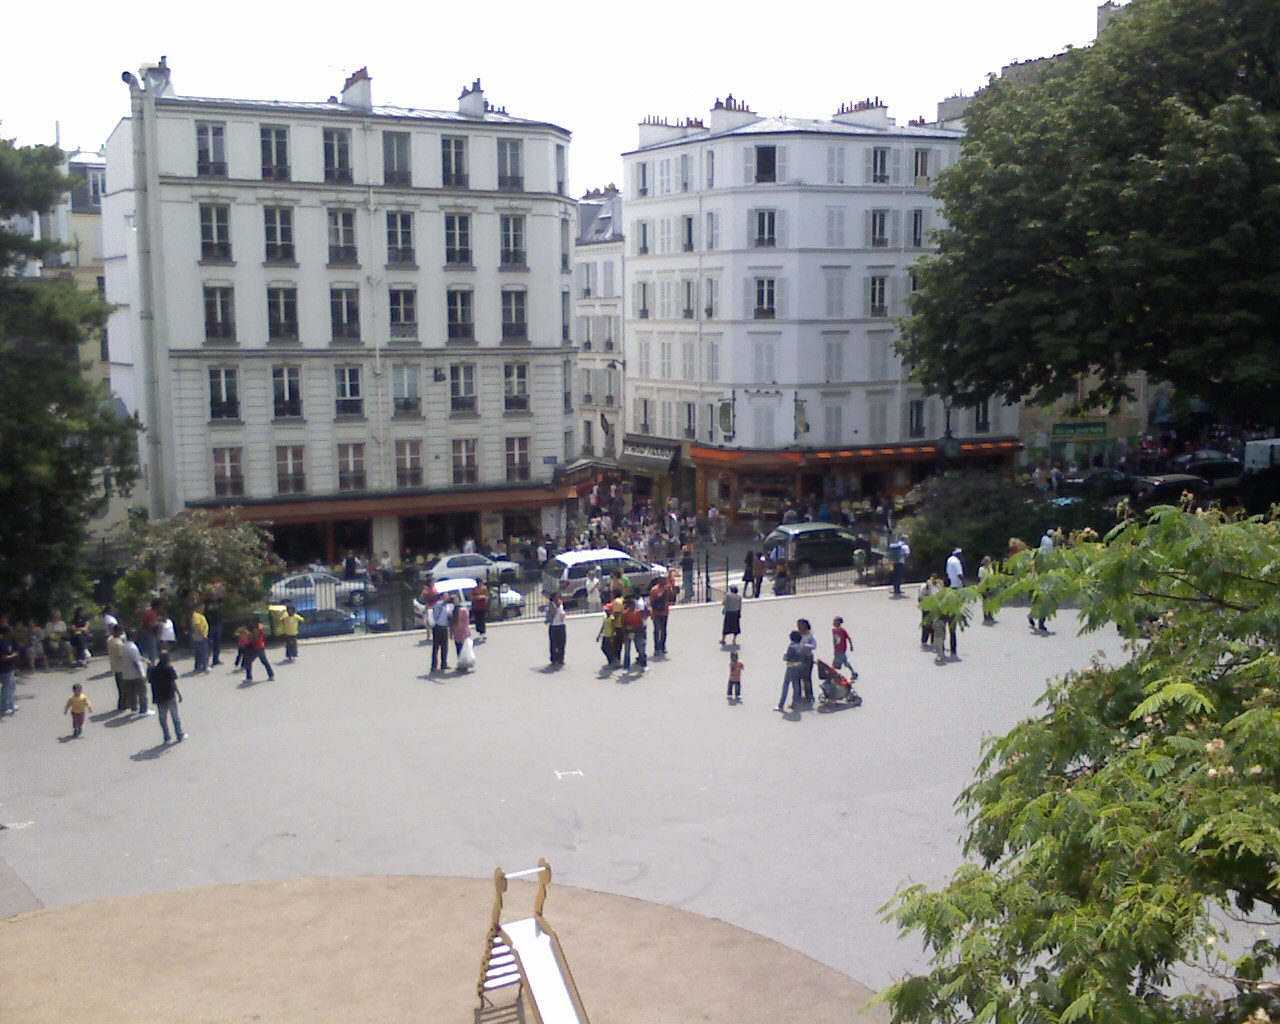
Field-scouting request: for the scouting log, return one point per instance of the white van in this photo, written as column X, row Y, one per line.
column 567, row 572
column 1260, row 455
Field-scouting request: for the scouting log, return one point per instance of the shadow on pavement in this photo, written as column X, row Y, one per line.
column 151, row 753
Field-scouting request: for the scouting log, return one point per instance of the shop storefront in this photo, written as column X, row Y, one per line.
column 651, row 466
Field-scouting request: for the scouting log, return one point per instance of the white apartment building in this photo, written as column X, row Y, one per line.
column 767, row 260
column 598, row 309
column 352, row 321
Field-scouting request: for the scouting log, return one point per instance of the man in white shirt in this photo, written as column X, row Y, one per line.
column 955, row 570
column 1046, row 542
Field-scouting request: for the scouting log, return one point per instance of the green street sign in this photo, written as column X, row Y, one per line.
column 1070, row 431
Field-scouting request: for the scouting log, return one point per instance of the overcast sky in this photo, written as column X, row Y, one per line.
column 595, row 69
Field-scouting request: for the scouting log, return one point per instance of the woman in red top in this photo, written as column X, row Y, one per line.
column 257, row 651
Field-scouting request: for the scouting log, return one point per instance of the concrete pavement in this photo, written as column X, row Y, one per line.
column 356, row 763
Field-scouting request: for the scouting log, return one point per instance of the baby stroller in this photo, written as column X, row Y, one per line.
column 836, row 687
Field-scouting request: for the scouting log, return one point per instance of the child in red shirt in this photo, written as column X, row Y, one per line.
column 841, row 643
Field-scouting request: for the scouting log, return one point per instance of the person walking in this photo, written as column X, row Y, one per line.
column 809, row 643
column 77, row 705
column 633, row 634
column 166, row 696
column 440, row 617
column 927, row 625
column 256, row 650
column 736, row 665
column 731, row 609
column 793, row 658
column 605, row 636
column 985, row 571
column 556, row 632
column 135, row 675
column 480, row 611
column 759, row 568
column 593, row 592
column 687, row 564
column 8, row 671
column 200, row 639
column 955, row 569
column 748, row 561
column 841, row 644
column 661, row 594
column 289, row 623
column 899, row 552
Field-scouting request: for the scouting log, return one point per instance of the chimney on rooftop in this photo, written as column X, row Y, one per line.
column 869, row 113
column 357, row 91
column 471, row 103
column 156, row 78
column 729, row 113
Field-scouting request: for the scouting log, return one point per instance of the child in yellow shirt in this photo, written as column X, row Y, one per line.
column 77, row 704
column 289, row 623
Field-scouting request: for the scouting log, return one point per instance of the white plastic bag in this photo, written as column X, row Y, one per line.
column 467, row 656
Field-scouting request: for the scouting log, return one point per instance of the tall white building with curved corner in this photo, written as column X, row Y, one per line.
column 767, row 261
column 352, row 321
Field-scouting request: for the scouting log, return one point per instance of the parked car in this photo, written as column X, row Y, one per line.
column 813, row 546
column 474, row 567
column 321, row 590
column 505, row 602
column 1191, row 462
column 1261, row 454
column 338, row 621
column 1222, row 474
column 567, row 572
column 1168, row 488
column 1097, row 483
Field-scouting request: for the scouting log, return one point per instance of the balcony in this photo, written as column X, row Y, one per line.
column 515, row 332
column 643, row 313
column 642, row 250
column 215, row 252
column 457, row 257
column 463, row 403
column 586, row 346
column 343, row 256
column 923, row 181
column 687, row 247
column 642, row 191
column 879, row 310
column 397, row 177
column 408, row 406
column 511, row 182
column 687, row 314
column 229, row 410
column 765, row 241
column 400, row 256
column 608, row 344
column 709, row 312
column 588, row 451
column 564, row 332
column 644, row 428
column 517, row 471
column 291, row 483
column 452, row 180
column 288, row 409
column 228, row 486
column 338, row 175
column 513, row 259
column 404, row 332
column 211, row 168
column 879, row 242
column 564, row 263
column 349, row 407
column 282, row 330
column 690, row 434
column 275, row 172
column 280, row 252
column 408, row 477
column 220, row 330
column 351, row 480
column 586, row 292
column 462, row 332
column 609, row 400
column 517, row 403
column 587, row 399
column 764, row 312
column 346, row 331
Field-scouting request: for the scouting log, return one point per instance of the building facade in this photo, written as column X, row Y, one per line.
column 598, row 308
column 351, row 321
column 767, row 260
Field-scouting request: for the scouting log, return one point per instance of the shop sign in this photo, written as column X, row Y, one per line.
column 1089, row 428
column 639, row 450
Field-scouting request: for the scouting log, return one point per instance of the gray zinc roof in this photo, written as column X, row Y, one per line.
column 811, row 126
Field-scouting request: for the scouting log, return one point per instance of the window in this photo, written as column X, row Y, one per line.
column 666, row 290
column 711, row 290
column 515, row 327
column 344, row 312
column 835, row 295
column 642, row 300
column 565, row 244
column 465, row 468
column 518, row 459
column 215, row 233
column 282, row 313
column 228, row 478
column 766, row 164
column 713, row 231
column 454, row 158
column 665, row 359
column 457, row 239
column 97, row 179
column 606, row 280
column 915, row 418
column 690, row 418
column 566, row 313
column 878, row 229
column 766, row 228
column 219, row 313
column 275, row 153
column 350, row 400
column 664, row 177
column 880, row 165
column 878, row 356
column 562, row 169
column 587, row 277
column 515, row 387
column 286, row 384
column 982, row 417
column 642, row 179
column 337, row 156
column 921, row 167
column 461, row 320
column 645, row 347
column 764, row 358
column 291, row 474
column 877, row 295
column 400, row 239
column 689, row 297
column 713, row 361
column 409, row 463
column 642, row 238
column 278, row 222
column 664, row 235
column 642, row 415
column 211, row 150
column 766, row 292
column 224, row 400
column 685, row 173
column 588, row 437
column 404, row 314
column 566, row 383
column 351, row 467
column 763, row 425
column 342, row 238
column 667, row 418
column 835, row 165
column 711, row 168
column 510, row 165
column 462, row 387
column 835, row 227
column 688, row 364
column 686, row 234
column 833, row 424
column 513, row 252
column 877, row 420
column 834, row 360
column 395, row 159
column 405, row 396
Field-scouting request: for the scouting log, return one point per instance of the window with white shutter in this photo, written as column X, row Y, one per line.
column 878, row 420
column 833, row 424
column 835, row 227
column 762, row 422
column 713, row 362
column 835, row 165
column 833, row 362
column 835, row 295
column 713, row 230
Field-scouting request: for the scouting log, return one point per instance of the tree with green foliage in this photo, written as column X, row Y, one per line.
column 1121, row 213
column 1129, row 833
column 64, row 451
column 192, row 551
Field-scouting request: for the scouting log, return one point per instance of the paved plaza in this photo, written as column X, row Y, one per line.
column 356, row 765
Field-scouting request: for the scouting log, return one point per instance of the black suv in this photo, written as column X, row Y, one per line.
column 810, row 546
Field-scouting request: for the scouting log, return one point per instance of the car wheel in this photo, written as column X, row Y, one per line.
column 804, row 569
column 511, row 612
column 357, row 597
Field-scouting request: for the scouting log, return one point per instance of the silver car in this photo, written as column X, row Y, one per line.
column 321, row 590
column 474, row 566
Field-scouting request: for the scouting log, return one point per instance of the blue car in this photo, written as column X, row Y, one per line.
column 340, row 621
